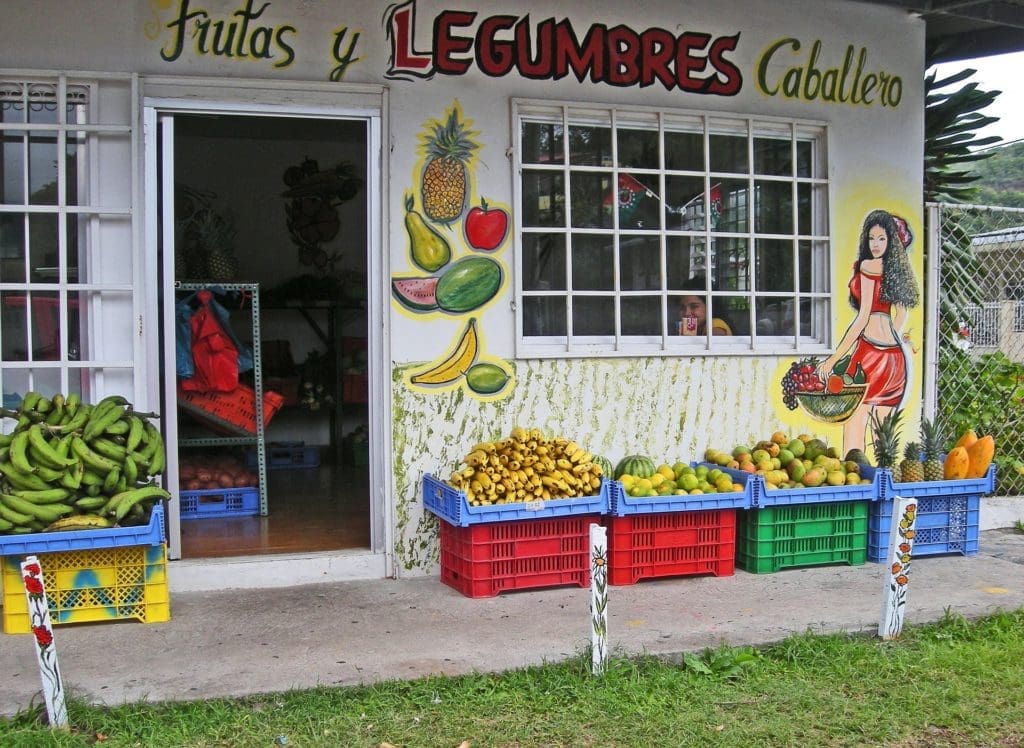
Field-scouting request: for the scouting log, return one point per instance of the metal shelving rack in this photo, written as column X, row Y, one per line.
column 259, row 439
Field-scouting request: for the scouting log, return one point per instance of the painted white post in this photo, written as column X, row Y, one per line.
column 598, row 598
column 897, row 577
column 46, row 648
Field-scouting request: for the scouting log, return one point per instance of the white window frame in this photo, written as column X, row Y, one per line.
column 669, row 344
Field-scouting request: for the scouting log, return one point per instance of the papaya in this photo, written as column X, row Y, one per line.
column 979, row 456
column 956, row 464
column 966, row 439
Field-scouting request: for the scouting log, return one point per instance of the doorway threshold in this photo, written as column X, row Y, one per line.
column 278, row 570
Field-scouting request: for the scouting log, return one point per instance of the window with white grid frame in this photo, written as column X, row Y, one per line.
column 66, row 234
column 623, row 217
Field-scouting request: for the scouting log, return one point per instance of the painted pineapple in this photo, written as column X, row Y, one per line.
column 444, row 178
column 911, row 469
column 886, row 435
column 931, row 440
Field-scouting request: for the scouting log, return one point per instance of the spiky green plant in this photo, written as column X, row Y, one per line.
column 886, row 434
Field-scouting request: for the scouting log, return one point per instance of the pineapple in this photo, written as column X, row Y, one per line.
column 444, row 178
column 221, row 265
column 911, row 469
column 886, row 433
column 931, row 439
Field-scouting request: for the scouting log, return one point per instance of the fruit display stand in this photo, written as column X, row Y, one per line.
column 90, row 575
column 948, row 515
column 762, row 496
column 485, row 550
column 673, row 535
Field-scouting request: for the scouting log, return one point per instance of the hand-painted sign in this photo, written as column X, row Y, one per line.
column 498, row 45
column 846, row 83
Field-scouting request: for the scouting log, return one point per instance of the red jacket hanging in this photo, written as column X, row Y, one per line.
column 214, row 355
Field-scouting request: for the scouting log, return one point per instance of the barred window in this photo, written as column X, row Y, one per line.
column 625, row 219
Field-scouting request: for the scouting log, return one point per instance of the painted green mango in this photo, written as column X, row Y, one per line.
column 468, row 283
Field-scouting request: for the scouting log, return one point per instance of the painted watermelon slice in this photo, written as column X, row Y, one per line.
column 417, row 294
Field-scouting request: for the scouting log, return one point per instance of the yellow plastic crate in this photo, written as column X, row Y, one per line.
column 101, row 584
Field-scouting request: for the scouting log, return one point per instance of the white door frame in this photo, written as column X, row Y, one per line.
column 169, row 96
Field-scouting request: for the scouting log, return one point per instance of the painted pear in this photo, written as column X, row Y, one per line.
column 428, row 248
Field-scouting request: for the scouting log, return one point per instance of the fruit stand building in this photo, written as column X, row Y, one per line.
column 539, row 191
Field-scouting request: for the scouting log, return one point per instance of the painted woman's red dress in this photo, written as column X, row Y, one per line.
column 884, row 364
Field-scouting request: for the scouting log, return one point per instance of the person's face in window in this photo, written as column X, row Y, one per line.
column 694, row 306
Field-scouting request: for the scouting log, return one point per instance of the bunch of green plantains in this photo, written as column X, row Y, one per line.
column 69, row 465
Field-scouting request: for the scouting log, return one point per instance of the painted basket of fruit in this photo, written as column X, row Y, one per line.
column 833, row 407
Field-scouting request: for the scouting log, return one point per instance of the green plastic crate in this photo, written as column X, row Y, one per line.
column 781, row 537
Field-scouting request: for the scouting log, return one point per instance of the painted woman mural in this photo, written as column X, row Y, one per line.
column 882, row 291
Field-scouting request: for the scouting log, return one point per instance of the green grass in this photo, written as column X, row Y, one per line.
column 953, row 683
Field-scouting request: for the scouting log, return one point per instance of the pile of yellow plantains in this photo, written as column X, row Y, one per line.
column 526, row 466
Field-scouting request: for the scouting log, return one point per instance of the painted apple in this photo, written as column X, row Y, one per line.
column 485, row 227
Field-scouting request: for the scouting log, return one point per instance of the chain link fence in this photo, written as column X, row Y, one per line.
column 979, row 378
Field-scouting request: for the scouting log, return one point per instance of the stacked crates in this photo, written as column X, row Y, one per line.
column 90, row 575
column 947, row 515
column 486, row 550
column 787, row 528
column 670, row 536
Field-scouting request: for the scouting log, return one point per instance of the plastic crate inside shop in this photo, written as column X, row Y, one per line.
column 285, row 456
column 483, row 560
column 944, row 524
column 453, row 507
column 670, row 544
column 151, row 533
column 220, row 502
column 773, row 538
column 232, row 413
column 104, row 584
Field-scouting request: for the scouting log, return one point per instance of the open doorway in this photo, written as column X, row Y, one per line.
column 280, row 202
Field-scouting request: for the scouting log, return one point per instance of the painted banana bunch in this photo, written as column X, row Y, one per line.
column 69, row 465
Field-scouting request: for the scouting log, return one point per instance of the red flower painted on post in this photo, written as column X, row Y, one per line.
column 43, row 635
column 902, row 580
column 33, row 569
column 33, row 585
column 897, row 568
column 904, row 547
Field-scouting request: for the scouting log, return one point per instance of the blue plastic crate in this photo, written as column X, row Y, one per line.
column 933, row 488
column 621, row 504
column 452, row 506
column 762, row 496
column 286, row 456
column 220, row 502
column 944, row 524
column 84, row 540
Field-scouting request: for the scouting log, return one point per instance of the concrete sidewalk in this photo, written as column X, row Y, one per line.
column 254, row 641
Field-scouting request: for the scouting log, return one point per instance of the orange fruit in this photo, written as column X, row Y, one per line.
column 835, row 384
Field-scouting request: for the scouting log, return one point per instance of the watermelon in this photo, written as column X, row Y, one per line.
column 605, row 464
column 418, row 293
column 640, row 466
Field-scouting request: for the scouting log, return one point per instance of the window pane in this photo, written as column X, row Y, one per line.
column 684, row 151
column 734, row 311
column 42, row 169
column 804, row 156
column 43, row 247
column 684, row 256
column 110, row 309
column 641, row 315
column 543, row 198
column 729, row 205
column 591, row 200
column 543, row 262
column 731, row 260
column 639, row 263
column 14, row 325
column 593, row 263
column 102, row 267
column 805, row 223
column 684, row 203
column 729, row 153
column 772, row 157
column 638, row 149
column 590, row 146
column 75, row 146
column 542, row 143
column 12, row 183
column 593, row 315
column 774, row 269
column 639, row 207
column 814, row 267
column 543, row 315
column 774, row 209
column 12, row 247
column 814, row 318
column 774, row 316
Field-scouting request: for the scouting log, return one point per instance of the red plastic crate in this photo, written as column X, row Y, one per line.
column 232, row 413
column 484, row 559
column 670, row 544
